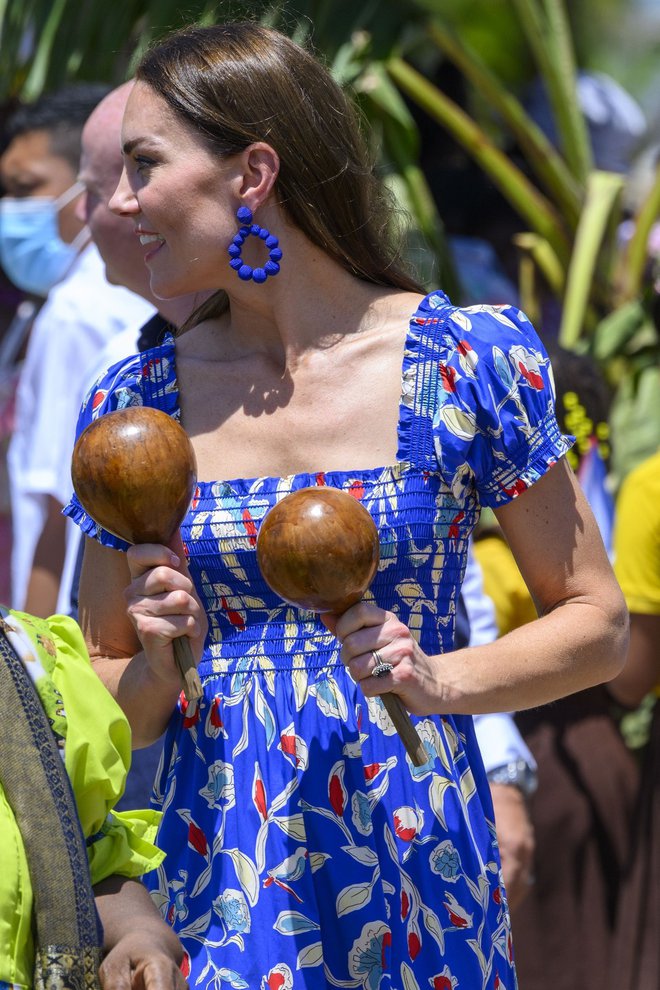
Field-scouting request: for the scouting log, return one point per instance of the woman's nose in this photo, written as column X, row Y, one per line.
column 123, row 201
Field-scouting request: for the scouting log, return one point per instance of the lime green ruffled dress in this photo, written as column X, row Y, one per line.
column 95, row 738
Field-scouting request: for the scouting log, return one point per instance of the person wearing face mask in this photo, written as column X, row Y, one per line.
column 46, row 250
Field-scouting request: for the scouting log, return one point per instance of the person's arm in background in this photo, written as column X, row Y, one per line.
column 141, row 951
column 48, row 563
column 637, row 567
column 509, row 765
column 642, row 671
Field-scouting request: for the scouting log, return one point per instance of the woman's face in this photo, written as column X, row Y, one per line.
column 179, row 196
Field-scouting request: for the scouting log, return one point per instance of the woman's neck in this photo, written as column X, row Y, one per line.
column 312, row 304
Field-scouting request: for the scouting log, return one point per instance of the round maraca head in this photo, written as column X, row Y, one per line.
column 134, row 472
column 318, row 549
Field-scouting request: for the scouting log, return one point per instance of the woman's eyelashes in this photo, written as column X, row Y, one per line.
column 142, row 164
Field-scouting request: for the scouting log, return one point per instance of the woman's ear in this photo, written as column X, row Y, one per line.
column 261, row 166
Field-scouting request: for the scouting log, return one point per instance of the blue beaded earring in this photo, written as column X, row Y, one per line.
column 246, row 272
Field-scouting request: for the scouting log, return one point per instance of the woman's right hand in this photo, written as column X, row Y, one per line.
column 162, row 605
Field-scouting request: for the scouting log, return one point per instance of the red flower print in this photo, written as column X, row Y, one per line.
column 185, row 965
column 357, row 490
column 99, row 396
column 497, row 895
column 387, row 941
column 454, row 530
column 190, row 711
column 195, row 499
column 320, row 479
column 337, row 795
column 236, row 619
column 414, row 945
column 259, row 794
column 405, row 905
column 289, row 744
column 441, row 983
column 250, row 527
column 405, row 824
column 372, row 770
column 197, row 839
column 215, row 717
column 517, row 488
column 448, row 377
column 531, row 377
column 458, row 920
column 275, row 981
column 149, row 366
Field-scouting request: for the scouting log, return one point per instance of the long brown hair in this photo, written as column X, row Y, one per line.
column 239, row 83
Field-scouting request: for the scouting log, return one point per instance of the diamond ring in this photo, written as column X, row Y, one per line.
column 382, row 668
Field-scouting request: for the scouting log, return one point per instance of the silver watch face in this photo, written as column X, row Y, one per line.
column 516, row 774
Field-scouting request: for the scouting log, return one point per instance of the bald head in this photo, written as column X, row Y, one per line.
column 101, row 166
column 103, row 127
column 100, row 169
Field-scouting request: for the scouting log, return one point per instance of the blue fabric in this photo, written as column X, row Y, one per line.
column 303, row 849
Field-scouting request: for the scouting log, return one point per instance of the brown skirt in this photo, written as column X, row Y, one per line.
column 582, row 814
column 637, row 947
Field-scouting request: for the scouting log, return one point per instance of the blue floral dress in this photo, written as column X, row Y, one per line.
column 303, row 848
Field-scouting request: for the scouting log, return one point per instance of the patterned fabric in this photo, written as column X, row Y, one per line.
column 304, row 849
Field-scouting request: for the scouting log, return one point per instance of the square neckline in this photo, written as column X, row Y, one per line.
column 413, row 348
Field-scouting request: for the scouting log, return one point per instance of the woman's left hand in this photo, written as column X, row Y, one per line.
column 370, row 636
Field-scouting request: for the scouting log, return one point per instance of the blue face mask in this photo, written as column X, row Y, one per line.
column 32, row 253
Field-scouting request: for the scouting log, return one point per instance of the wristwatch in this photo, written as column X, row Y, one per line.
column 516, row 773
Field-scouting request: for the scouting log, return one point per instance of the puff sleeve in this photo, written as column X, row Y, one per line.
column 146, row 379
column 494, row 423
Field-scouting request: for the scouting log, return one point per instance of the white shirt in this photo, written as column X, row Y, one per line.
column 82, row 314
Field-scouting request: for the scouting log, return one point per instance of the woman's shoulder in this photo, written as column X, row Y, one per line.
column 483, row 322
column 481, row 344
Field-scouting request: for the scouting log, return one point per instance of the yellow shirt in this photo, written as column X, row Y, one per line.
column 637, row 538
column 503, row 583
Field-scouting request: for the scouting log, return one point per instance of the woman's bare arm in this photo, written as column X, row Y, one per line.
column 146, row 692
column 579, row 640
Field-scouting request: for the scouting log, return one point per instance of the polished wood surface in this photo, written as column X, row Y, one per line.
column 318, row 549
column 134, row 472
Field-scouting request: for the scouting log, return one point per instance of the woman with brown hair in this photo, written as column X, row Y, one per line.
column 304, row 850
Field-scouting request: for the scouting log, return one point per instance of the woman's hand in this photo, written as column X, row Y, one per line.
column 162, row 605
column 364, row 630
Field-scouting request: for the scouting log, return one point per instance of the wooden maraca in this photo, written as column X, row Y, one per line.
column 318, row 549
column 134, row 472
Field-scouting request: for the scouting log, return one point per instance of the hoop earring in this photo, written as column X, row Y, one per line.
column 246, row 272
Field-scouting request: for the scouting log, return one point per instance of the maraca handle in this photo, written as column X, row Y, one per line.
column 407, row 731
column 192, row 686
